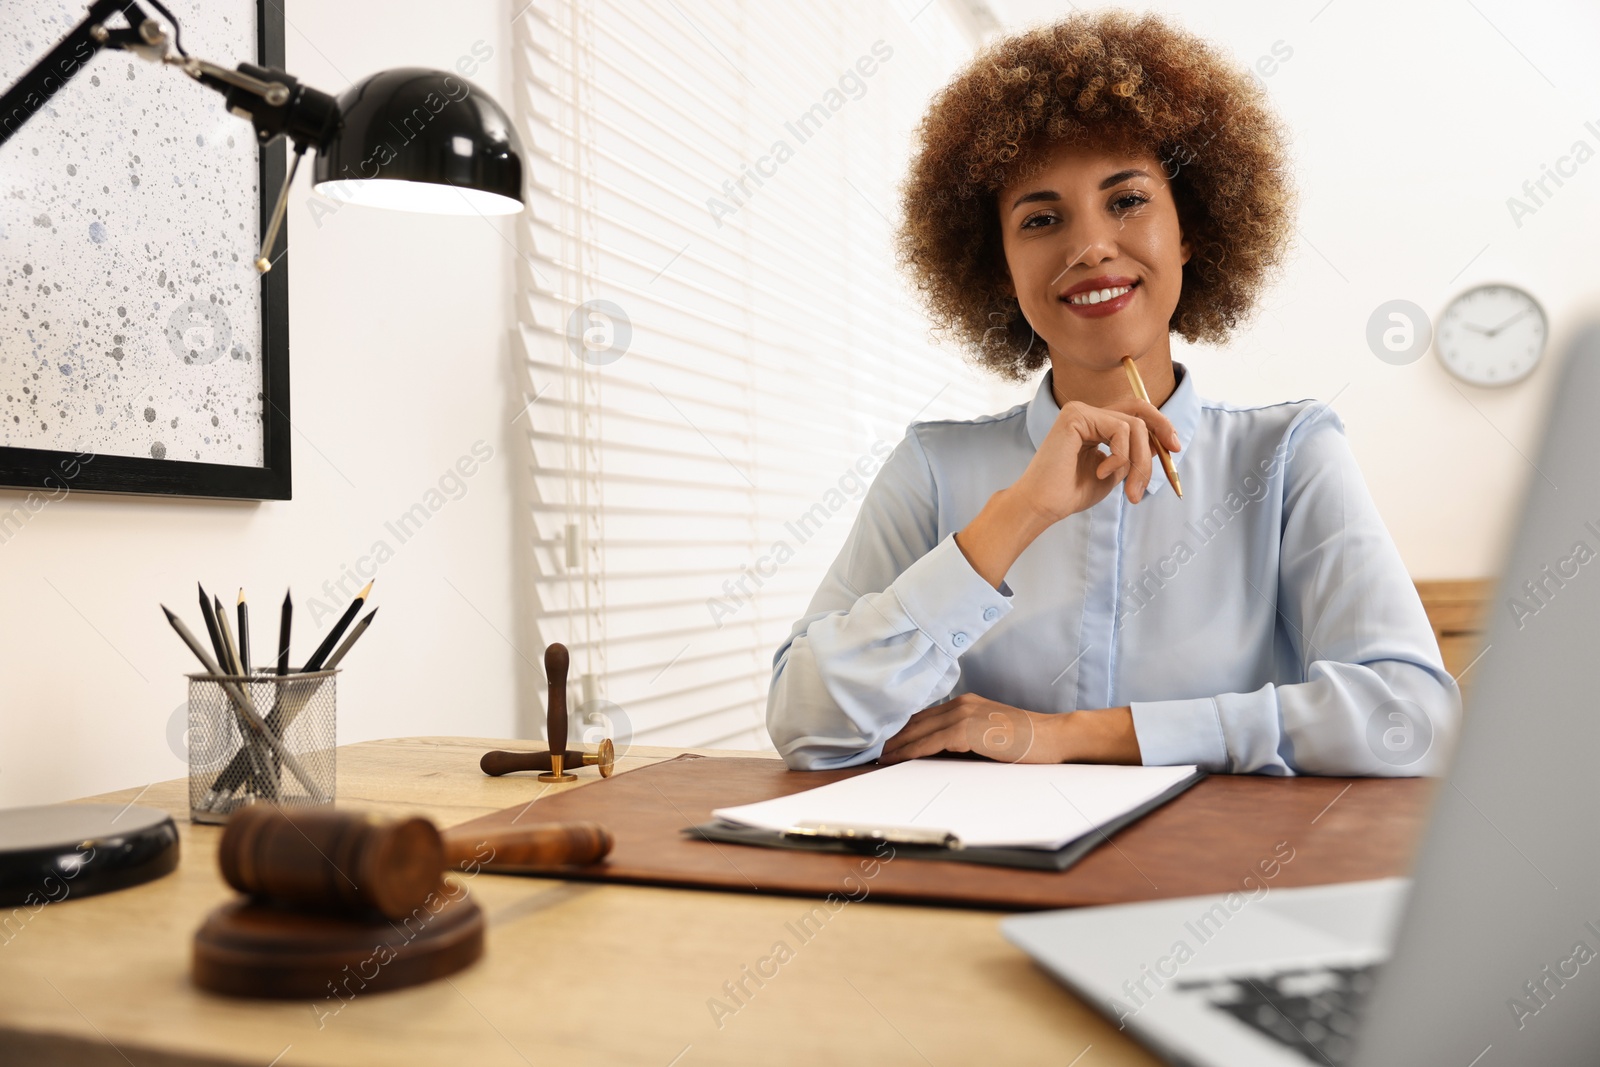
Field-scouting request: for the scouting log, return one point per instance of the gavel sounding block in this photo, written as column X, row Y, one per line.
column 250, row 948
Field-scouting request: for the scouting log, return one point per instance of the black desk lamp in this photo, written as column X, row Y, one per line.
column 409, row 138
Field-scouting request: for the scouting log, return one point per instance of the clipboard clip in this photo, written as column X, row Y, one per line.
column 864, row 832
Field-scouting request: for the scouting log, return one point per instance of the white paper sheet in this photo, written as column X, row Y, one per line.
column 993, row 805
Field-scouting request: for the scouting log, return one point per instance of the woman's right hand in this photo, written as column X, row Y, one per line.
column 1067, row 474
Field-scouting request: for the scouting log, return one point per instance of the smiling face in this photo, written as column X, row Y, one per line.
column 1095, row 219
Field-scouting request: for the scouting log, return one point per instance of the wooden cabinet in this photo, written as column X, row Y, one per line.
column 1458, row 609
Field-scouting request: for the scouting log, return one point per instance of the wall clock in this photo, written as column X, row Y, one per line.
column 1492, row 335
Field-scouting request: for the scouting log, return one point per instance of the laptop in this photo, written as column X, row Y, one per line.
column 1489, row 954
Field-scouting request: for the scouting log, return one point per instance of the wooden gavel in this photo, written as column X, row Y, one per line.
column 324, row 859
column 559, row 757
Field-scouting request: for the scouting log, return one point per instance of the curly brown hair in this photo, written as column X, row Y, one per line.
column 1099, row 78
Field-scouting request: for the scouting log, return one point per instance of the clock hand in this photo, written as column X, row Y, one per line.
column 1479, row 329
column 1509, row 321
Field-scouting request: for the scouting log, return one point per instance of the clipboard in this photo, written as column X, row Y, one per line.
column 914, row 843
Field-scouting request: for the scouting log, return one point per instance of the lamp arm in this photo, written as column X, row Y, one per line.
column 275, row 102
column 274, row 93
column 35, row 88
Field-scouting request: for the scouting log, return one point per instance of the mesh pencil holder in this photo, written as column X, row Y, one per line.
column 288, row 761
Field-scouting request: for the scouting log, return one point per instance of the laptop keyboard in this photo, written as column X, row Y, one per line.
column 1311, row 1010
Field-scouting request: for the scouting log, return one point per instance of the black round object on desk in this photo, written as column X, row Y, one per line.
column 56, row 852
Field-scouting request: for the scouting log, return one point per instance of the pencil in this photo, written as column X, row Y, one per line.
column 244, row 635
column 284, row 621
column 1161, row 450
column 321, row 654
column 355, row 635
column 230, row 651
column 211, row 624
column 230, row 664
column 285, row 713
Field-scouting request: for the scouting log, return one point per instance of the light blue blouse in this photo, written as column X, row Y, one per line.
column 1264, row 622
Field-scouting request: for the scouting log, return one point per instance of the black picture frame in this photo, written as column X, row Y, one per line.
column 62, row 471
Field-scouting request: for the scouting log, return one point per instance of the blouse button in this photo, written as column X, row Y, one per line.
column 990, row 613
column 959, row 640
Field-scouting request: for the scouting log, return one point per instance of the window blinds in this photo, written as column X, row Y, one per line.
column 716, row 349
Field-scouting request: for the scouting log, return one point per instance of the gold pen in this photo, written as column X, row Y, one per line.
column 1161, row 450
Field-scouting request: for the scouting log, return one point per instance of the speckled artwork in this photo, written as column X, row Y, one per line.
column 130, row 312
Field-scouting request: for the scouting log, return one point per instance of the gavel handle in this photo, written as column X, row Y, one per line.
column 514, row 849
column 499, row 762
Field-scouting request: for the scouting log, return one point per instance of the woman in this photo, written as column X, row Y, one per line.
column 1079, row 193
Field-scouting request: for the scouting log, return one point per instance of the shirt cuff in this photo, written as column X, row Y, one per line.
column 949, row 601
column 1175, row 732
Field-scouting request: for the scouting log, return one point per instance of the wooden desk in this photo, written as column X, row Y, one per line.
column 575, row 973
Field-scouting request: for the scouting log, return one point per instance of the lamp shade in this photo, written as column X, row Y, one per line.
column 422, row 140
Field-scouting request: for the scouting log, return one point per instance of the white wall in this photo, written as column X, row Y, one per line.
column 399, row 344
column 1413, row 123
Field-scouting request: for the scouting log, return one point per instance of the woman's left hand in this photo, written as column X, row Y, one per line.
column 971, row 723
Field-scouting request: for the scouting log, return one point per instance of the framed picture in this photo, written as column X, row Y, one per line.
column 140, row 350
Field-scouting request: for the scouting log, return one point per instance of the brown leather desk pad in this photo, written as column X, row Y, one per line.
column 1207, row 840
